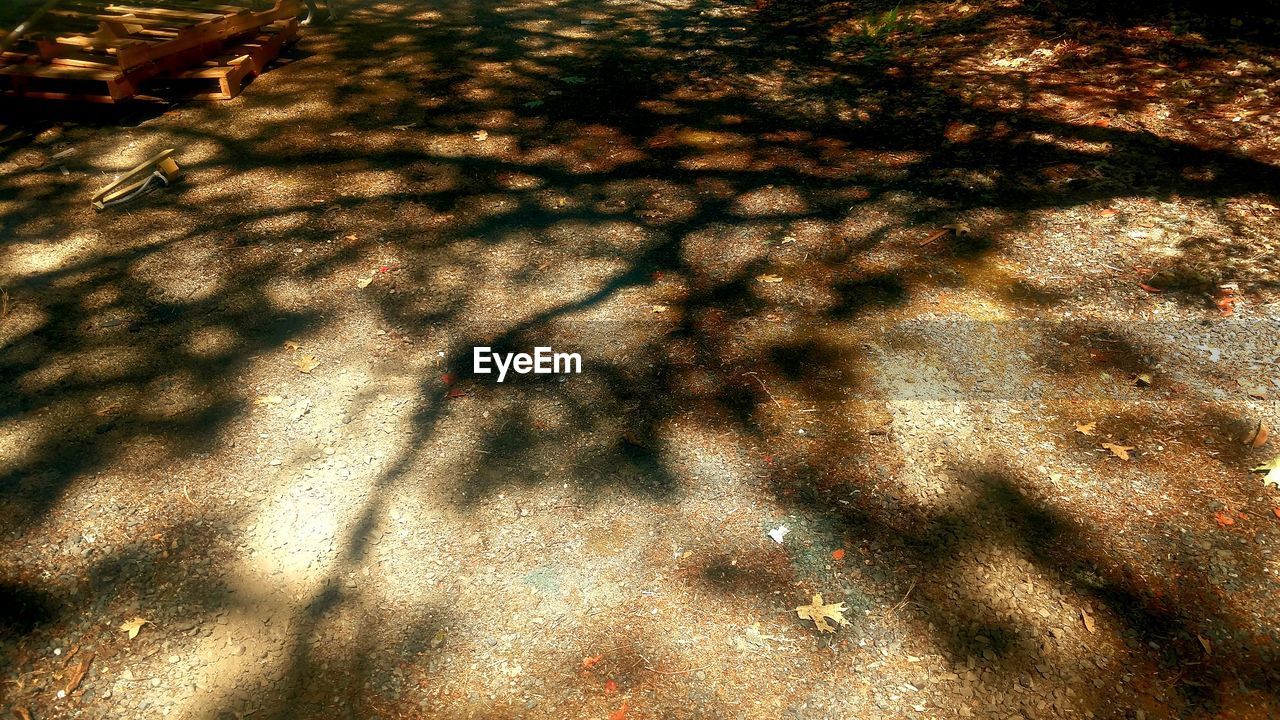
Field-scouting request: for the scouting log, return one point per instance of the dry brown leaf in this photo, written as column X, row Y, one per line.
column 1088, row 620
column 293, row 346
column 77, row 675
column 658, row 309
column 819, row 614
column 133, row 626
column 1258, row 436
column 306, row 363
column 1120, row 451
column 21, row 712
column 1142, row 380
column 1272, row 470
column 480, row 135
column 1204, row 643
column 268, row 400
column 364, row 282
column 1086, row 428
column 1252, row 389
column 769, row 278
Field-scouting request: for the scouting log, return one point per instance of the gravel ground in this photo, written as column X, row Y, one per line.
column 241, row 409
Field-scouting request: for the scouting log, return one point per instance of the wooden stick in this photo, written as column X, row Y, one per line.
column 18, row 32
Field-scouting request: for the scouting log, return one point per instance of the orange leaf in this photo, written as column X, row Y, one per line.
column 619, row 714
column 1108, row 212
column 1149, row 288
column 610, row 687
column 1276, row 511
column 838, row 554
column 590, row 662
column 1223, row 519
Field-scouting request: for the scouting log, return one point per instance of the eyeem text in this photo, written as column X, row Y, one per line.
column 543, row 361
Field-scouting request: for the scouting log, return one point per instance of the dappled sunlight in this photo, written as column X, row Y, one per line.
column 868, row 284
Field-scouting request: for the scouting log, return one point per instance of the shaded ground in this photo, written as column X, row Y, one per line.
column 728, row 217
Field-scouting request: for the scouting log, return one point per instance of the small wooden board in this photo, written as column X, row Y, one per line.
column 187, row 47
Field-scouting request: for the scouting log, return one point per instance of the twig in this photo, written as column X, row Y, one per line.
column 765, row 388
column 677, row 672
column 903, row 602
column 4, row 304
column 935, row 237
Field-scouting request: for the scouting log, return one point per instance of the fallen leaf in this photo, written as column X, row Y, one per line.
column 448, row 379
column 306, row 364
column 1204, row 643
column 1088, row 620
column 610, row 687
column 658, row 309
column 1142, row 379
column 837, row 554
column 590, row 662
column 1276, row 511
column 77, row 675
column 364, row 282
column 1223, row 519
column 819, row 614
column 769, row 278
column 293, row 346
column 1108, row 212
column 620, row 713
column 457, row 393
column 268, row 400
column 1150, row 288
column 1272, row 470
column 1120, row 451
column 133, row 626
column 1258, row 436
column 480, row 135
column 779, row 533
column 1254, row 390
column 1086, row 428
column 22, row 713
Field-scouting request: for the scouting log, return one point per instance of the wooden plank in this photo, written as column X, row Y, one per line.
column 230, row 27
column 120, row 20
column 152, row 11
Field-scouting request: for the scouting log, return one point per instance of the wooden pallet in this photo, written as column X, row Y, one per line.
column 223, row 77
column 107, row 53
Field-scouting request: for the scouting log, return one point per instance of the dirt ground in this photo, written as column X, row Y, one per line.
column 980, row 302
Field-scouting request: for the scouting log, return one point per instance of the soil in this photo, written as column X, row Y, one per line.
column 978, row 301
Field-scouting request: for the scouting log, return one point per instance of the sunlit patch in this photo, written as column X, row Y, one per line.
column 370, row 183
column 738, row 160
column 273, row 225
column 661, row 107
column 727, row 251
column 211, row 342
column 51, row 373
column 771, row 201
column 519, row 181
column 33, row 258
